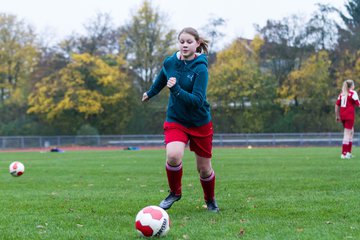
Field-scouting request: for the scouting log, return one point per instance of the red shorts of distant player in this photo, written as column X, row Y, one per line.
column 199, row 138
column 348, row 124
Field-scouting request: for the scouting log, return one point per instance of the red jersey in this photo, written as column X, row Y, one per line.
column 347, row 105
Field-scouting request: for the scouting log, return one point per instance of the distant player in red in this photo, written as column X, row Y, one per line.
column 345, row 112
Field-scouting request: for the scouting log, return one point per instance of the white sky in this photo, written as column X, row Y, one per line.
column 60, row 18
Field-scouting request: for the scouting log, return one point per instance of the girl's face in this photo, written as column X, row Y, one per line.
column 187, row 46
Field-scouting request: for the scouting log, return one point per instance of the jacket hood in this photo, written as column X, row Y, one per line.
column 200, row 59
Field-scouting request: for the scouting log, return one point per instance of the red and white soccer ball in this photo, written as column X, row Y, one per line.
column 152, row 221
column 16, row 169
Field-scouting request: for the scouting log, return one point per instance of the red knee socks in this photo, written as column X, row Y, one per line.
column 208, row 185
column 174, row 175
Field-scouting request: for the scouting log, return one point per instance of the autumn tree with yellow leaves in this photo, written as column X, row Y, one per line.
column 86, row 88
column 309, row 90
column 240, row 91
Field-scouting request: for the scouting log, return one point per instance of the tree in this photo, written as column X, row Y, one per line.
column 348, row 51
column 101, row 37
column 309, row 92
column 18, row 56
column 311, row 83
column 350, row 34
column 321, row 29
column 212, row 31
column 239, row 90
column 82, row 90
column 145, row 42
column 352, row 17
column 286, row 45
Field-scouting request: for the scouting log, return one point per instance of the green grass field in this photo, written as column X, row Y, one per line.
column 263, row 193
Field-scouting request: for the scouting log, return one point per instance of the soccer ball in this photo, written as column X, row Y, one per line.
column 152, row 221
column 16, row 169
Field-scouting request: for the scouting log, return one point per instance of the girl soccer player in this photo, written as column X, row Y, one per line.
column 345, row 112
column 188, row 118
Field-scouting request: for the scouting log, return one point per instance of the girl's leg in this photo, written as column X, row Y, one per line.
column 174, row 170
column 174, row 155
column 351, row 139
column 207, row 179
column 346, row 140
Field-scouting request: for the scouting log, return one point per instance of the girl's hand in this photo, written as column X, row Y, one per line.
column 145, row 97
column 171, row 82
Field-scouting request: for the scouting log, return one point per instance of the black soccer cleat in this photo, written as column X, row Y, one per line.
column 169, row 201
column 212, row 206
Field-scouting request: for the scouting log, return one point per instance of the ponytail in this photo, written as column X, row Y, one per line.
column 203, row 47
column 347, row 84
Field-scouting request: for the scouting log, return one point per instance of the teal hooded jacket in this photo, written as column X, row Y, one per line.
column 187, row 102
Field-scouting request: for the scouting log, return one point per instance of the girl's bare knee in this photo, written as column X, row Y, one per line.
column 174, row 158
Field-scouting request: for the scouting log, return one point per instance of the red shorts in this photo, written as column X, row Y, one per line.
column 348, row 123
column 199, row 138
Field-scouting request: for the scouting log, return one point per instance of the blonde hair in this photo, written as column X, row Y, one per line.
column 347, row 84
column 204, row 44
